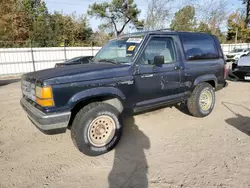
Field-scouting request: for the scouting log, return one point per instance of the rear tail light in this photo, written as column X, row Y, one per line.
column 225, row 71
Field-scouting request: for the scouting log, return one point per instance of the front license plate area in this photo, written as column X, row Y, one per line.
column 247, row 77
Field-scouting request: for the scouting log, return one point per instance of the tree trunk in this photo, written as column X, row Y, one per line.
column 247, row 14
column 117, row 33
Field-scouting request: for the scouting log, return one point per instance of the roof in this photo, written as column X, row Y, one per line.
column 160, row 31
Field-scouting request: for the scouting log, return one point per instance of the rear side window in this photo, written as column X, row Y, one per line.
column 198, row 46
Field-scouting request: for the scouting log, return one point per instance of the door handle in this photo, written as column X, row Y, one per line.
column 147, row 76
column 187, row 74
column 177, row 68
column 214, row 65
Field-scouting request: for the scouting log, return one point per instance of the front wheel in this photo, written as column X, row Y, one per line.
column 96, row 129
column 202, row 101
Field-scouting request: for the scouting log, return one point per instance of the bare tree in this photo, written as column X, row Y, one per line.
column 217, row 14
column 157, row 14
column 214, row 13
column 247, row 19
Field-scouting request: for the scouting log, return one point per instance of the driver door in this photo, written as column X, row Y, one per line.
column 158, row 84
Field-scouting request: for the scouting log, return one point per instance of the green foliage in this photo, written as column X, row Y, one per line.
column 221, row 36
column 236, row 23
column 206, row 28
column 184, row 19
column 30, row 22
column 6, row 16
column 100, row 38
column 114, row 14
column 203, row 27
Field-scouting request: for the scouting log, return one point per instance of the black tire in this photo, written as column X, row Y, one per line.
column 193, row 102
column 81, row 125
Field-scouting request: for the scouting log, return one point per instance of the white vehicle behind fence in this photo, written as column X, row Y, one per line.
column 237, row 53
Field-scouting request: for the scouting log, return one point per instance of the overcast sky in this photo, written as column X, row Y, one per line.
column 81, row 6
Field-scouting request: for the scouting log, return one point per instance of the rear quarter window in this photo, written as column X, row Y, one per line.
column 198, row 46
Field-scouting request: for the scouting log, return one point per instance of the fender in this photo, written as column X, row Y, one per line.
column 95, row 92
column 205, row 78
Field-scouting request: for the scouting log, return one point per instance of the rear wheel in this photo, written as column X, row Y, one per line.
column 202, row 101
column 96, row 129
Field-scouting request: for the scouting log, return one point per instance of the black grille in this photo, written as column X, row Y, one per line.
column 28, row 90
column 230, row 56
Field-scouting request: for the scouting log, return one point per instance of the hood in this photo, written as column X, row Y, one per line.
column 244, row 61
column 76, row 73
column 234, row 53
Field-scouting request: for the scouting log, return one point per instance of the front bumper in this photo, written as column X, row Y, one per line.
column 232, row 58
column 47, row 123
column 240, row 73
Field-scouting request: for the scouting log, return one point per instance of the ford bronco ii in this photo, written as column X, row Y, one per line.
column 134, row 72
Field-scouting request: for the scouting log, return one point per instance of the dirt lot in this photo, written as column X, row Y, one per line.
column 163, row 148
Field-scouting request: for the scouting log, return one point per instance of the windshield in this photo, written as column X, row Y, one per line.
column 237, row 50
column 119, row 51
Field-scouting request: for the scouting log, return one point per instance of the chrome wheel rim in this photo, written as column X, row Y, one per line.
column 101, row 131
column 206, row 100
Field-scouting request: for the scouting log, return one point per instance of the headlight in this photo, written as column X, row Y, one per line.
column 44, row 96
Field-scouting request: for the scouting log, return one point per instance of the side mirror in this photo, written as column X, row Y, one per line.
column 158, row 60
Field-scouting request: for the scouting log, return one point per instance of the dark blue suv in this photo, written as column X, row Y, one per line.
column 134, row 72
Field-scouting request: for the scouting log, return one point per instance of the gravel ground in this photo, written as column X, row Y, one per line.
column 163, row 148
